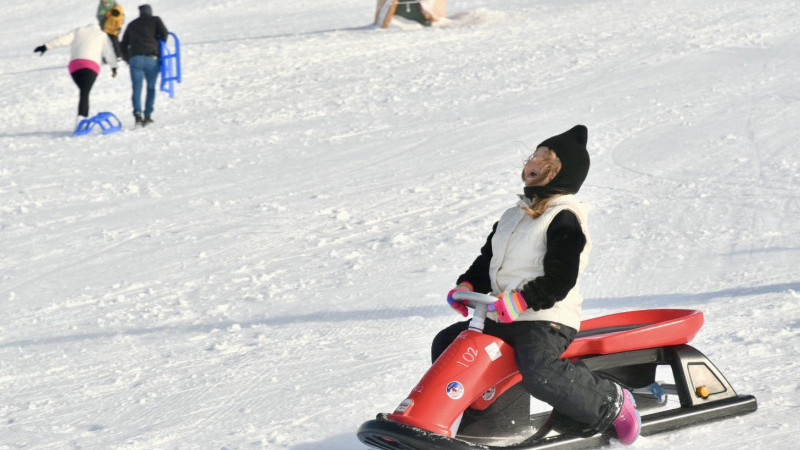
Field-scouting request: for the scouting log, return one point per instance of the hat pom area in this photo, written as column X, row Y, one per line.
column 578, row 134
column 581, row 134
column 570, row 146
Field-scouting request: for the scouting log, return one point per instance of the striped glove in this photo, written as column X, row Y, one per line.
column 509, row 306
column 459, row 305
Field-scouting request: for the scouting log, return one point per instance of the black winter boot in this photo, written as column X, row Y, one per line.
column 138, row 118
column 147, row 120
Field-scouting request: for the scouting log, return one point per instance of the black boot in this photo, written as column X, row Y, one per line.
column 147, row 120
column 138, row 118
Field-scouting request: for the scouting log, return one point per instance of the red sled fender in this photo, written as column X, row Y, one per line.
column 470, row 367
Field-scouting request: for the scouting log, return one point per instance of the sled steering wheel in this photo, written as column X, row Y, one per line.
column 479, row 302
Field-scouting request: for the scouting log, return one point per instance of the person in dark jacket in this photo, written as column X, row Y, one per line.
column 140, row 48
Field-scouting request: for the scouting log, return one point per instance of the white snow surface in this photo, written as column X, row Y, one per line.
column 266, row 266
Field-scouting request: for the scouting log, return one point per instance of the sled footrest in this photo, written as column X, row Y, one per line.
column 676, row 418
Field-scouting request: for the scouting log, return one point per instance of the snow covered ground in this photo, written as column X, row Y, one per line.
column 265, row 266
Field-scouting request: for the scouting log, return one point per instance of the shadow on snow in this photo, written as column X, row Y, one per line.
column 631, row 302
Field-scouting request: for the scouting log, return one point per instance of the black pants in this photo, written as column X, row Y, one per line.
column 84, row 79
column 571, row 389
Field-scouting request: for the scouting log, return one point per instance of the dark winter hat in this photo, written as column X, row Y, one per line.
column 570, row 146
column 145, row 10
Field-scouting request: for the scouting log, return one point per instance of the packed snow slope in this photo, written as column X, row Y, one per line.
column 266, row 265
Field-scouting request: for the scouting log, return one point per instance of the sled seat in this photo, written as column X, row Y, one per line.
column 635, row 330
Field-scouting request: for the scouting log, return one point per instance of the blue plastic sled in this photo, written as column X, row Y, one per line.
column 170, row 65
column 107, row 122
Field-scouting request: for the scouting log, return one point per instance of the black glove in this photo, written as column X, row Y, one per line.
column 41, row 49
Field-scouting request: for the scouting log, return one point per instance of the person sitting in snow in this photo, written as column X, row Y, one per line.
column 531, row 261
column 89, row 45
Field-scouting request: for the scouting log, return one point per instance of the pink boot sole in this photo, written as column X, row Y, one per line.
column 628, row 423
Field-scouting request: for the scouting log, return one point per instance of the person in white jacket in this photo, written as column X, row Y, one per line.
column 89, row 47
column 531, row 261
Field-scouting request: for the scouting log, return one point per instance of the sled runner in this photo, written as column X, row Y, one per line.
column 170, row 65
column 472, row 398
column 107, row 122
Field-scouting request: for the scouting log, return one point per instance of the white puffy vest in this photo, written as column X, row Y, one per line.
column 518, row 248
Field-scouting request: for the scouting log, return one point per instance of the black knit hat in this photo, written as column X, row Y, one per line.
column 570, row 146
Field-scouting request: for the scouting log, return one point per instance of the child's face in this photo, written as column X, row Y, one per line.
column 541, row 167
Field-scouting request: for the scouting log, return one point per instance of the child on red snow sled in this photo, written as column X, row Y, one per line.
column 531, row 260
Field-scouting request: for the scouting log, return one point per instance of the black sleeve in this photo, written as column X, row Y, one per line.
column 565, row 242
column 478, row 272
column 123, row 45
column 161, row 30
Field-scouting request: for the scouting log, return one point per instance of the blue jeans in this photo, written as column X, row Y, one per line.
column 143, row 68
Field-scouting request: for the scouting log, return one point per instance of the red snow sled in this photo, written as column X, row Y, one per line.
column 471, row 397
